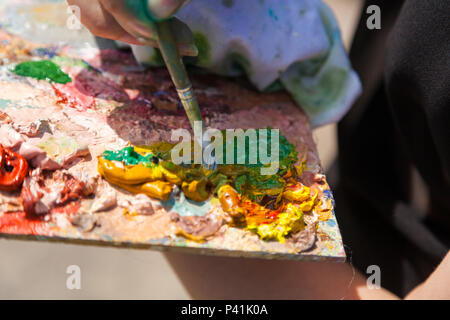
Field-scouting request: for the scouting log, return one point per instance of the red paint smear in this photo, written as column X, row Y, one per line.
column 18, row 223
column 68, row 94
column 93, row 84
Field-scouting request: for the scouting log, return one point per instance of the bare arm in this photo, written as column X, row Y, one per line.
column 437, row 286
column 237, row 278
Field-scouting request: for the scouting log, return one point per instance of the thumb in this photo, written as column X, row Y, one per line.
column 133, row 17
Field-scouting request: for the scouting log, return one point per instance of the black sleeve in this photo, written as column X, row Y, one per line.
column 417, row 77
column 400, row 122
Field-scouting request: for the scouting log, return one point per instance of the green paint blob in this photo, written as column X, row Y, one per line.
column 42, row 70
column 204, row 48
column 247, row 179
column 287, row 152
column 251, row 182
column 130, row 157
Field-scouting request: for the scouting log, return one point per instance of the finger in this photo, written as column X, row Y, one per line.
column 136, row 23
column 100, row 22
column 132, row 17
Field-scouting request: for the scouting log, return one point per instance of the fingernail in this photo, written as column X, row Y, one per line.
column 142, row 40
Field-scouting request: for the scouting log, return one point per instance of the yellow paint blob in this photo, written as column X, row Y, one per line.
column 289, row 221
column 196, row 190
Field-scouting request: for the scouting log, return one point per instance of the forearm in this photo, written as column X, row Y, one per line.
column 236, row 278
column 437, row 286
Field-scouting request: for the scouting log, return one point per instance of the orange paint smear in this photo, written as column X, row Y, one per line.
column 257, row 214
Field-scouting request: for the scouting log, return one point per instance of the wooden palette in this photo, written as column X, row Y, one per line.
column 112, row 101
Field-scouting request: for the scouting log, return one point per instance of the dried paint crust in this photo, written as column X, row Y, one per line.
column 109, row 105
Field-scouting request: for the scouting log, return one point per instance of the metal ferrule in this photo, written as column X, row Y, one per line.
column 186, row 93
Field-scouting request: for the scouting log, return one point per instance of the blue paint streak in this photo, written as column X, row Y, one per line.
column 45, row 52
column 185, row 207
column 327, row 193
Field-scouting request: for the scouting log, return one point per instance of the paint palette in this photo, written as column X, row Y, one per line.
column 63, row 128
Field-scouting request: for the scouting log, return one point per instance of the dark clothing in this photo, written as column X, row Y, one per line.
column 401, row 123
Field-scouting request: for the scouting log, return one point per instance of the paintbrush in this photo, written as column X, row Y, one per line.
column 178, row 73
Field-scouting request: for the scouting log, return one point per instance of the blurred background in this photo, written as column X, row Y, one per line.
column 31, row 270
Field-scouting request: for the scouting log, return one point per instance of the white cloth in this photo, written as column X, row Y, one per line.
column 292, row 43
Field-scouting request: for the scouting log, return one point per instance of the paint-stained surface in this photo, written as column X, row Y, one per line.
column 109, row 103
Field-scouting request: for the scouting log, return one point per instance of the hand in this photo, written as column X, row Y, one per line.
column 133, row 21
